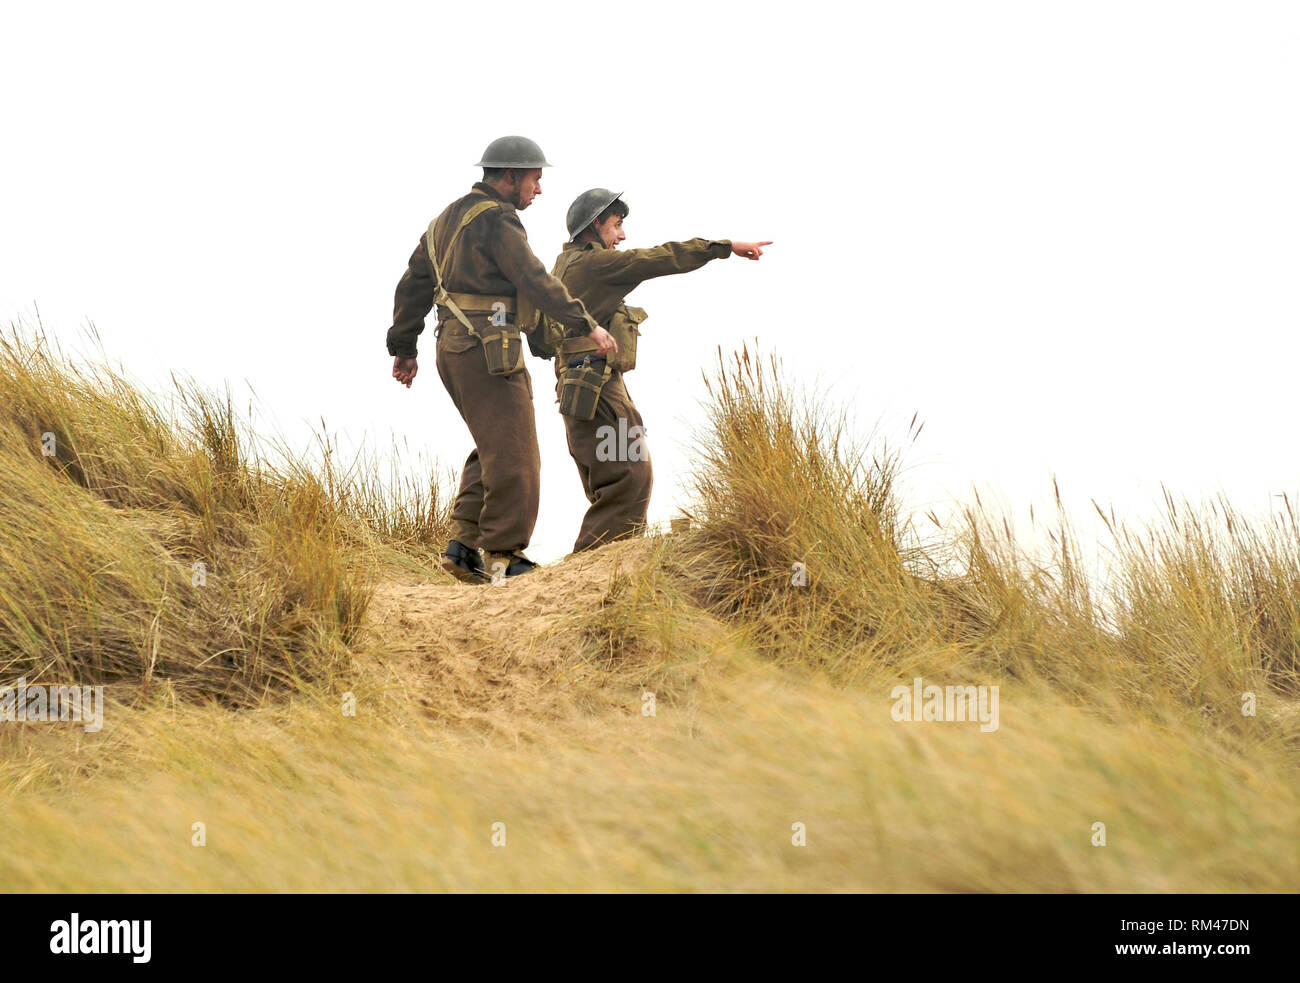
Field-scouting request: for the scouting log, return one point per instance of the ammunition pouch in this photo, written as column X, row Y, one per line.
column 625, row 326
column 503, row 348
column 579, row 387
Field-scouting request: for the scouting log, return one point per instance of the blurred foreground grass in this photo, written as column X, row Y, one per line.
column 302, row 798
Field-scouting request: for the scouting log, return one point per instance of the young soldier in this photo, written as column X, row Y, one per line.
column 609, row 450
column 473, row 262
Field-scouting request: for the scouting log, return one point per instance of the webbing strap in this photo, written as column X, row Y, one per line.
column 562, row 264
column 604, row 378
column 441, row 297
column 576, row 346
column 595, row 387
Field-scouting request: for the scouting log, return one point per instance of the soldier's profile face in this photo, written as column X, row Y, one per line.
column 611, row 231
column 530, row 186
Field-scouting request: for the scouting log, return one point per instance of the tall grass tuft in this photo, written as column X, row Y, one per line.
column 140, row 543
column 801, row 542
column 801, row 531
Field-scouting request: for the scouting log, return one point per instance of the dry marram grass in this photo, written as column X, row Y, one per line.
column 529, row 704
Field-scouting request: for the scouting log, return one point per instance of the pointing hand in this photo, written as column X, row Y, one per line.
column 749, row 250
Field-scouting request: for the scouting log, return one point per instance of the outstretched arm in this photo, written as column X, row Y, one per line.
column 635, row 265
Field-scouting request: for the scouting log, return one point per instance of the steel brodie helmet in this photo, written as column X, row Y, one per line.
column 513, row 151
column 587, row 206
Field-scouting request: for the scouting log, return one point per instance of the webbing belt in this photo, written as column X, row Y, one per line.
column 481, row 303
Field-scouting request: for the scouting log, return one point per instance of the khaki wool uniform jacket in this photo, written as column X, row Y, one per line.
column 618, row 490
column 500, row 487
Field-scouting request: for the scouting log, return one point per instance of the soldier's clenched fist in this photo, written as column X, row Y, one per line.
column 404, row 370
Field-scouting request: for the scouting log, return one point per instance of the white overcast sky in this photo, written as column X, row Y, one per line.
column 1063, row 233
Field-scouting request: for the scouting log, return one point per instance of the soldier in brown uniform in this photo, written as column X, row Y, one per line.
column 609, row 450
column 473, row 263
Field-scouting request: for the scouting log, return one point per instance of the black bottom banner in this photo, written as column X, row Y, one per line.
column 931, row 933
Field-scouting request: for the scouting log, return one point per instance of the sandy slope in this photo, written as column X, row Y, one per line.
column 480, row 651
